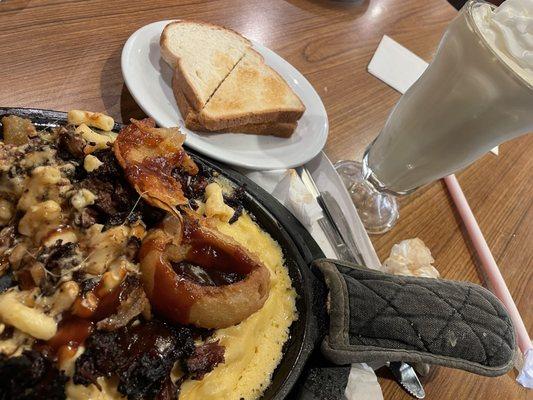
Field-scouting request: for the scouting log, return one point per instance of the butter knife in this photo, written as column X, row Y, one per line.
column 406, row 376
column 329, row 224
column 334, row 211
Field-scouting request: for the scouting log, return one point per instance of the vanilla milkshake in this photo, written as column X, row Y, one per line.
column 476, row 94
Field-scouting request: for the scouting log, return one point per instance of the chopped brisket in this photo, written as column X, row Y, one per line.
column 6, row 281
column 85, row 218
column 132, row 303
column 30, row 376
column 141, row 355
column 204, row 358
column 193, row 186
column 70, row 145
column 132, row 248
column 86, row 284
column 56, row 259
column 117, row 201
column 7, row 237
column 234, row 200
column 7, row 333
column 110, row 169
column 168, row 392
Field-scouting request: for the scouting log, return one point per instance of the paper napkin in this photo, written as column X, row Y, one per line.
column 288, row 189
column 362, row 384
column 395, row 65
column 525, row 378
column 292, row 192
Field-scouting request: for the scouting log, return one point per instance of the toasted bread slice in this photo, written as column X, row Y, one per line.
column 190, row 117
column 203, row 55
column 253, row 93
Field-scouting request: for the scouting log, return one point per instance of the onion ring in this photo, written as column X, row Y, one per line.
column 184, row 301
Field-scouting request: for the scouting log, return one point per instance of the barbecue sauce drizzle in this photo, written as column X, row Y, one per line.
column 76, row 326
column 207, row 263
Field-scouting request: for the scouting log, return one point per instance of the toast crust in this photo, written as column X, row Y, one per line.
column 277, row 129
column 164, row 38
column 232, row 120
column 187, row 112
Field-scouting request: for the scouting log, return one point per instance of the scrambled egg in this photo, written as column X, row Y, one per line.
column 253, row 348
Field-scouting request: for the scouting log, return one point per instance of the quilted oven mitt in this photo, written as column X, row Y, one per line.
column 375, row 316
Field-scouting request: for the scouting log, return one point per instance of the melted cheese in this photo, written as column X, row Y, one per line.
column 90, row 163
column 6, row 212
column 214, row 204
column 82, row 198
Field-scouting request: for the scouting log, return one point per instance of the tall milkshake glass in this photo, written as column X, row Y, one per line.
column 470, row 99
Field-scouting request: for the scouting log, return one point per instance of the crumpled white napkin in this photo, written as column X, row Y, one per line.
column 525, row 377
column 292, row 192
column 362, row 384
column 287, row 188
column 411, row 257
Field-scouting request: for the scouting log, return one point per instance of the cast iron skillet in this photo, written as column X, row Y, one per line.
column 298, row 246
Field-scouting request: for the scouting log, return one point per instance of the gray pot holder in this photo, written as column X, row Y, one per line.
column 380, row 317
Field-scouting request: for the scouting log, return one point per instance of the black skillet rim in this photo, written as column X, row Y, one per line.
column 298, row 246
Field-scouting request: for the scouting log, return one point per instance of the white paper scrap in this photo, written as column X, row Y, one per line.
column 525, row 378
column 271, row 181
column 395, row 65
column 292, row 192
column 362, row 384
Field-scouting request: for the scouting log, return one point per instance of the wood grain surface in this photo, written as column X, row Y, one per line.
column 63, row 54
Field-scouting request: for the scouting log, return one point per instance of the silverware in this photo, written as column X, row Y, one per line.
column 334, row 211
column 406, row 376
column 331, row 221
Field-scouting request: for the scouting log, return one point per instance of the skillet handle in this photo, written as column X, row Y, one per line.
column 378, row 317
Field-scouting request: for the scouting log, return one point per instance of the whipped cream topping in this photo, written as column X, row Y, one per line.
column 509, row 30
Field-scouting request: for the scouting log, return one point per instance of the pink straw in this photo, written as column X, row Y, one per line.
column 488, row 263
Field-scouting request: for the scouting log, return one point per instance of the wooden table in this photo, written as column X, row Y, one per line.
column 64, row 54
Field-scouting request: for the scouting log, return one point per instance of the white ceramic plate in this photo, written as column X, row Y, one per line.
column 148, row 79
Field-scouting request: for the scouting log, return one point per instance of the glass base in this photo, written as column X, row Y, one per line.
column 378, row 210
